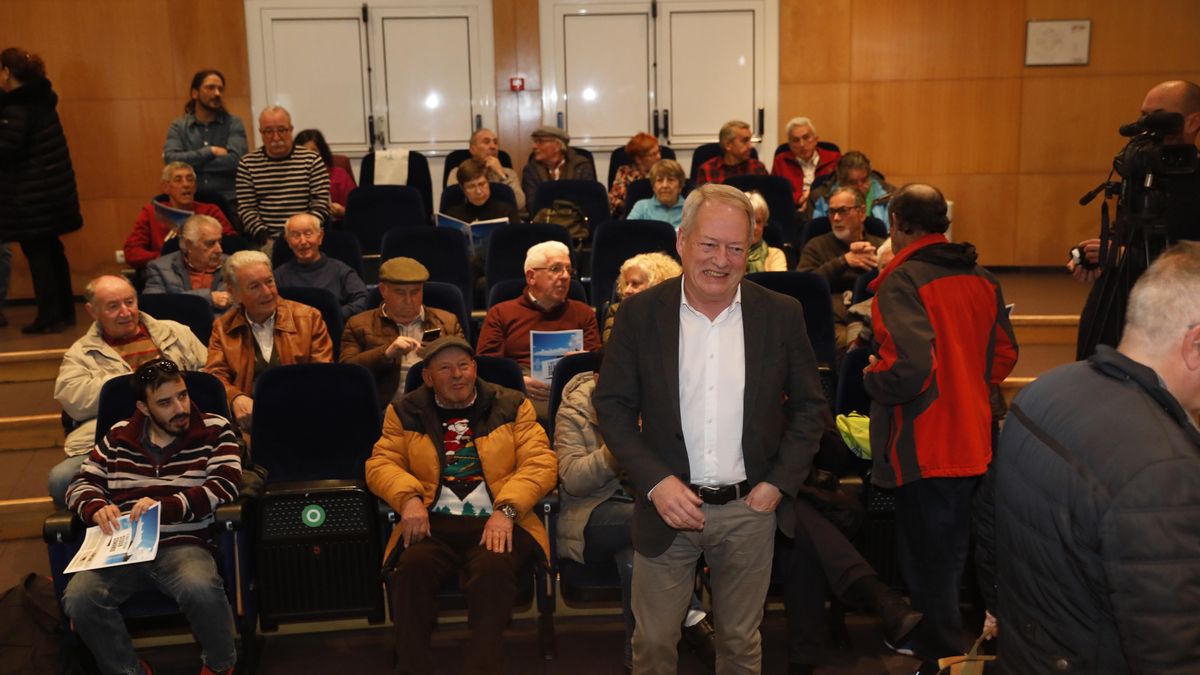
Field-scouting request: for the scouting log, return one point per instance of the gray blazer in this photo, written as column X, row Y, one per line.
column 639, row 383
column 168, row 274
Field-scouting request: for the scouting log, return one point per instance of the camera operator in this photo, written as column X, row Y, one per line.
column 1103, row 315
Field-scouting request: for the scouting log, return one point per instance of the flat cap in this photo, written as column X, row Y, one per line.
column 442, row 344
column 403, row 271
column 551, row 132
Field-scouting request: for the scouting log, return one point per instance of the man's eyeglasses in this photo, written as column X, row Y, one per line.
column 556, row 269
column 276, row 131
column 842, row 211
column 148, row 371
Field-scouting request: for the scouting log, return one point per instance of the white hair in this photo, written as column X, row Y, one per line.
column 169, row 170
column 239, row 260
column 1165, row 301
column 275, row 108
column 759, row 203
column 316, row 222
column 716, row 192
column 539, row 254
column 190, row 232
column 798, row 122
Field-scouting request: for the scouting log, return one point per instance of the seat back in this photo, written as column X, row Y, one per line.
column 117, row 403
column 373, row 210
column 706, row 152
column 510, row 289
column 819, row 226
column 509, row 243
column 338, row 244
column 314, row 421
column 325, row 302
column 452, row 195
column 813, row 293
column 193, row 311
column 567, row 367
column 589, row 195
column 442, row 250
column 418, row 177
column 620, row 158
column 862, row 285
column 851, row 392
column 619, row 240
column 777, row 191
column 494, row 369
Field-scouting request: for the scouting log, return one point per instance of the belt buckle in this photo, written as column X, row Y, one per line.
column 708, row 490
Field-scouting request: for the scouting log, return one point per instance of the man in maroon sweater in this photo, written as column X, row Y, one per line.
column 186, row 462
column 543, row 305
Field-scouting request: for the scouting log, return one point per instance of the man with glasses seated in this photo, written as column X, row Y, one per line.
column 278, row 180
column 186, row 462
column 842, row 255
column 542, row 306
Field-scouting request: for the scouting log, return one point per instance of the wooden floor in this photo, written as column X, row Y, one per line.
column 1047, row 304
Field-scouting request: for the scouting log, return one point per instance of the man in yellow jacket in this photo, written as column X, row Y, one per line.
column 463, row 462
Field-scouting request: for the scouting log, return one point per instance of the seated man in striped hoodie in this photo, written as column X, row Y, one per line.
column 186, row 461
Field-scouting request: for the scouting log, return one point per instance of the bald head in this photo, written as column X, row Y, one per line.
column 112, row 303
column 1178, row 96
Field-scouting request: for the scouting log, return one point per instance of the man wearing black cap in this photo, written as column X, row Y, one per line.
column 385, row 340
column 553, row 160
column 463, row 462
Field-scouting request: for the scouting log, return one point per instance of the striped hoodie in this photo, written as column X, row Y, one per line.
column 198, row 472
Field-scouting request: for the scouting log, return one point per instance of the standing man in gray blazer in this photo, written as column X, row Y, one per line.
column 195, row 268
column 709, row 399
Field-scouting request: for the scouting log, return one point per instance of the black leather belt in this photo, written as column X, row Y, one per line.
column 720, row 494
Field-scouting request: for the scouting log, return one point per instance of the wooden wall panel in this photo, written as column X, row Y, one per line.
column 984, row 210
column 814, row 39
column 827, row 105
column 1069, row 124
column 937, row 127
column 1049, row 218
column 1151, row 36
column 210, row 34
column 920, row 39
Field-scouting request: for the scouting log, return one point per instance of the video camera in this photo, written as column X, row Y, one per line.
column 1147, row 166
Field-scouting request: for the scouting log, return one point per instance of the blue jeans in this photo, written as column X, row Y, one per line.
column 185, row 573
column 61, row 476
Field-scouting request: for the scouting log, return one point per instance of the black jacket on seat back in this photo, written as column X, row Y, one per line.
column 1097, row 524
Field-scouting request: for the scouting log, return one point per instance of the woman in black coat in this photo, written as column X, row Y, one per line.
column 38, row 199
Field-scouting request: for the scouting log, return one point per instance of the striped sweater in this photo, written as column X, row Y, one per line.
column 269, row 191
column 200, row 471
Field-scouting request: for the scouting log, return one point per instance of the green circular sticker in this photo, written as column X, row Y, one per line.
column 313, row 515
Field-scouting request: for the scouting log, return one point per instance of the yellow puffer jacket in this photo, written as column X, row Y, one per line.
column 519, row 467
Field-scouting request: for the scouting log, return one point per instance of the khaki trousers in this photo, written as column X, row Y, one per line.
column 737, row 543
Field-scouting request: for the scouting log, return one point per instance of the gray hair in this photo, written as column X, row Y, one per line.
column 716, row 192
column 89, row 291
column 728, row 129
column 190, row 232
column 316, row 222
column 798, row 122
column 1165, row 301
column 759, row 203
column 539, row 254
column 657, row 266
column 170, row 169
column 239, row 260
column 859, row 199
column 275, row 108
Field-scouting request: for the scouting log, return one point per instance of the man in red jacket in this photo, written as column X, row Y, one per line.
column 145, row 241
column 943, row 342
column 803, row 161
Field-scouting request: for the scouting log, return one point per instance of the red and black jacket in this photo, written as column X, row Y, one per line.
column 943, row 339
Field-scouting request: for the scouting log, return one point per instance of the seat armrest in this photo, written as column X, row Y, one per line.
column 61, row 527
column 549, row 503
column 387, row 514
column 232, row 516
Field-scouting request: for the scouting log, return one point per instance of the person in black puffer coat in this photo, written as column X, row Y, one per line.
column 38, row 199
column 1096, row 531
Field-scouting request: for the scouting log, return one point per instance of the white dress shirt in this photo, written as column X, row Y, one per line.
column 809, row 168
column 712, row 383
column 264, row 335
